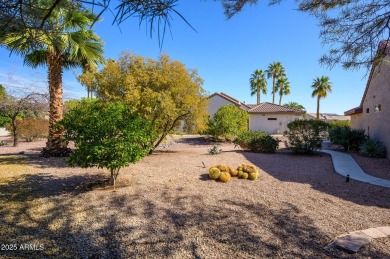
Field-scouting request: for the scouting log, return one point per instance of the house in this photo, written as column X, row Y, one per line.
column 327, row 117
column 373, row 113
column 268, row 117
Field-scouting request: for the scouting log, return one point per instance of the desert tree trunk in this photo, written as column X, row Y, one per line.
column 114, row 176
column 318, row 107
column 55, row 141
column 15, row 131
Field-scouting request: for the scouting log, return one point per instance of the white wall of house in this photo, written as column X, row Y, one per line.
column 216, row 102
column 267, row 122
column 3, row 132
column 375, row 122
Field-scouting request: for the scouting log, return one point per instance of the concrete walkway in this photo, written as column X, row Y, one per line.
column 345, row 165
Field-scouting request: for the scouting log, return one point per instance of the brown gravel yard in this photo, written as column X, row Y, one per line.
column 165, row 207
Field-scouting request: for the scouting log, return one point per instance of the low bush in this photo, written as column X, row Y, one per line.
column 257, row 141
column 305, row 136
column 215, row 150
column 349, row 139
column 372, row 148
column 339, row 124
column 31, row 129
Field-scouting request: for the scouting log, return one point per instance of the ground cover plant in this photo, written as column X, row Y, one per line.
column 305, row 136
column 372, row 148
column 107, row 135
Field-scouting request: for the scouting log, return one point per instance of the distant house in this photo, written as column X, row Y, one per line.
column 268, row 117
column 373, row 113
column 327, row 117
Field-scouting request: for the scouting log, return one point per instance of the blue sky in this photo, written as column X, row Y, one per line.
column 225, row 52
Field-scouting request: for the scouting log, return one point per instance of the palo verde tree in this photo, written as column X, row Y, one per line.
column 162, row 90
column 107, row 135
column 65, row 42
column 12, row 107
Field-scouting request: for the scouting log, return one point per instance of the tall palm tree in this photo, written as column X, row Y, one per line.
column 275, row 70
column 258, row 84
column 321, row 86
column 65, row 42
column 283, row 86
column 294, row 105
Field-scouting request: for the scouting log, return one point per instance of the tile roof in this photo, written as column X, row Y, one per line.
column 272, row 108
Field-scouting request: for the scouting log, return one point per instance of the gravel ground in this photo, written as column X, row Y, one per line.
column 165, row 207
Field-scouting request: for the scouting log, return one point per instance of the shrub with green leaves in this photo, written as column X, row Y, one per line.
column 372, row 148
column 215, row 150
column 345, row 123
column 349, row 139
column 107, row 135
column 305, row 136
column 257, row 141
column 228, row 122
column 4, row 121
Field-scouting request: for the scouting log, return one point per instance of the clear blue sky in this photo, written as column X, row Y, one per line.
column 225, row 52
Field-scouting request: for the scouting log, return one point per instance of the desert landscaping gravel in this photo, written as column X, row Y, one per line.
column 165, row 206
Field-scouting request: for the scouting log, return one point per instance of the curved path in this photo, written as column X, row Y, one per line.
column 345, row 165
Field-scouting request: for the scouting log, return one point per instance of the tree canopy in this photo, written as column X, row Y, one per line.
column 162, row 90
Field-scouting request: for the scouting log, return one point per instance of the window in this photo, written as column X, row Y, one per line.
column 367, row 110
column 378, row 108
column 272, row 119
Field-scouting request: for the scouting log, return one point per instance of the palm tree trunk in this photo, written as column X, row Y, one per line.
column 280, row 94
column 56, row 144
column 273, row 89
column 318, row 107
column 258, row 96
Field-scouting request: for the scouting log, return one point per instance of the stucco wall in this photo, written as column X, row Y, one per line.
column 215, row 103
column 377, row 123
column 260, row 122
column 3, row 132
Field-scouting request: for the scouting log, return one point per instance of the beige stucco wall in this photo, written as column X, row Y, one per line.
column 260, row 122
column 377, row 124
column 215, row 103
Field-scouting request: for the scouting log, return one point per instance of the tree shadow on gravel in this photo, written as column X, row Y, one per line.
column 33, row 186
column 178, row 226
column 320, row 174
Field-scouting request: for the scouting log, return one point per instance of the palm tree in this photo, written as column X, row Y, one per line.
column 275, row 70
column 283, row 86
column 66, row 44
column 258, row 84
column 294, row 105
column 321, row 86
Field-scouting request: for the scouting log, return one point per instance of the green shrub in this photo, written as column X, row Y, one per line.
column 372, row 148
column 305, row 136
column 257, row 141
column 107, row 135
column 339, row 124
column 228, row 122
column 349, row 139
column 4, row 121
column 215, row 150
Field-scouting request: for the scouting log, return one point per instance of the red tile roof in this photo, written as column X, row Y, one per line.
column 273, row 108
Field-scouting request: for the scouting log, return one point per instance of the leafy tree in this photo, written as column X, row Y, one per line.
column 64, row 43
column 228, row 122
column 283, row 86
column 258, row 84
column 87, row 78
column 12, row 108
column 321, row 86
column 3, row 93
column 162, row 90
column 107, row 135
column 275, row 70
column 294, row 105
column 70, row 104
column 354, row 29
